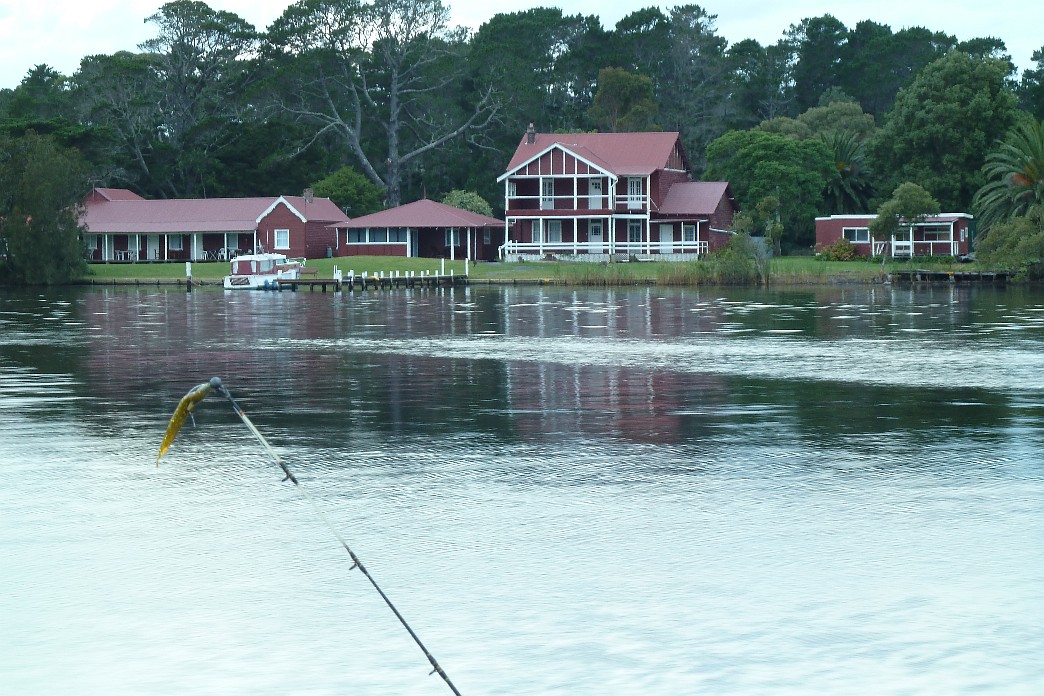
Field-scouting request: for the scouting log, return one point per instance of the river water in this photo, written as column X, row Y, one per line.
column 563, row 491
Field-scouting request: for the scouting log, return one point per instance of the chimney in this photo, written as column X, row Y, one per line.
column 530, row 134
column 308, row 195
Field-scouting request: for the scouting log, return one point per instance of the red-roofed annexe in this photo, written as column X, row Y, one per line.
column 122, row 226
column 598, row 195
column 424, row 228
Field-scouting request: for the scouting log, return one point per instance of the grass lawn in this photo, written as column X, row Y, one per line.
column 782, row 271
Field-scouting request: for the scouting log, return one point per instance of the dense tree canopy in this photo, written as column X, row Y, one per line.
column 942, row 127
column 42, row 186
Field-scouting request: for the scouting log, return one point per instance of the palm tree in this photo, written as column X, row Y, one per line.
column 1016, row 176
column 848, row 191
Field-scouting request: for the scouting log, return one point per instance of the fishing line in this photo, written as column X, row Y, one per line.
column 184, row 409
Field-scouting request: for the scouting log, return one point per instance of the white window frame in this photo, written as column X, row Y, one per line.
column 688, row 233
column 554, row 232
column 176, row 242
column 281, row 239
column 856, row 235
column 452, row 237
column 634, row 232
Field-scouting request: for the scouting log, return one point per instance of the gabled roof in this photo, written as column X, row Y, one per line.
column 425, row 214
column 699, row 198
column 118, row 214
column 623, row 154
column 115, row 194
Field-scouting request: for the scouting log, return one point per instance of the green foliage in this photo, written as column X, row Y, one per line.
column 623, row 103
column 740, row 262
column 1016, row 245
column 350, row 189
column 468, row 200
column 849, row 188
column 1031, row 88
column 758, row 165
column 841, row 250
column 1015, row 173
column 41, row 190
column 942, row 126
column 909, row 204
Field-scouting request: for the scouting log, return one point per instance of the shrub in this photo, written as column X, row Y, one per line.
column 841, row 250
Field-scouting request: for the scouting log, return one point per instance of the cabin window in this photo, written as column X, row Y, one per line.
column 175, row 242
column 452, row 237
column 397, row 234
column 379, row 236
column 282, row 239
column 688, row 233
column 856, row 235
column 554, row 231
column 356, row 236
column 634, row 231
column 512, row 189
column 487, row 236
column 937, row 233
column 90, row 241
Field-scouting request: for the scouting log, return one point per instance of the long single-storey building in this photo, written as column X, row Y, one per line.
column 424, row 228
column 946, row 234
column 123, row 226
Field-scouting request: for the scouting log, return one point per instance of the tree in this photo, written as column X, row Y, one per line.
column 375, row 76
column 42, row 187
column 759, row 165
column 819, row 43
column 351, row 191
column 1015, row 173
column 942, row 126
column 1031, row 88
column 623, row 103
column 1015, row 245
column 849, row 188
column 761, row 83
column 468, row 200
column 909, row 205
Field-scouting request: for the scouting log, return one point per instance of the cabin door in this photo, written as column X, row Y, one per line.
column 152, row 247
column 594, row 237
column 666, row 239
column 594, row 194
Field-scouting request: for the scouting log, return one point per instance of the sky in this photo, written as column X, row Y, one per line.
column 61, row 32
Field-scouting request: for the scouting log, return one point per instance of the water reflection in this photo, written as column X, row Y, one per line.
column 566, row 490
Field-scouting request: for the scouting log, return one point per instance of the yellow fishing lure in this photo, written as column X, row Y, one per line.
column 185, row 406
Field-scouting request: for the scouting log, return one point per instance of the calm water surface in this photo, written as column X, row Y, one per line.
column 564, row 491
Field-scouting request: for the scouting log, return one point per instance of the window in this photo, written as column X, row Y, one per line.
column 397, row 234
column 90, row 241
column 356, row 236
column 936, row 233
column 379, row 236
column 176, row 242
column 487, row 236
column 856, row 235
column 688, row 233
column 452, row 237
column 282, row 239
column 554, row 231
column 634, row 231
column 535, row 232
column 512, row 189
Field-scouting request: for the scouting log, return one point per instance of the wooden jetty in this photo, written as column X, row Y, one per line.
column 954, row 277
column 352, row 282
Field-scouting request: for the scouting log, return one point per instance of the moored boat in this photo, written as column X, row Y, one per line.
column 262, row 271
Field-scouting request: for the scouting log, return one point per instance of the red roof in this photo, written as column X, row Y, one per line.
column 425, row 214
column 699, row 198
column 118, row 214
column 623, row 154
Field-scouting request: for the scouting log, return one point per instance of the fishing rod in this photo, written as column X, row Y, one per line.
column 215, row 386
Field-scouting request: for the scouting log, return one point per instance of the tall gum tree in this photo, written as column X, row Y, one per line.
column 375, row 77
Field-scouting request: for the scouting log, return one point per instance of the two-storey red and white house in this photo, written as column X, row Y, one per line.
column 594, row 196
